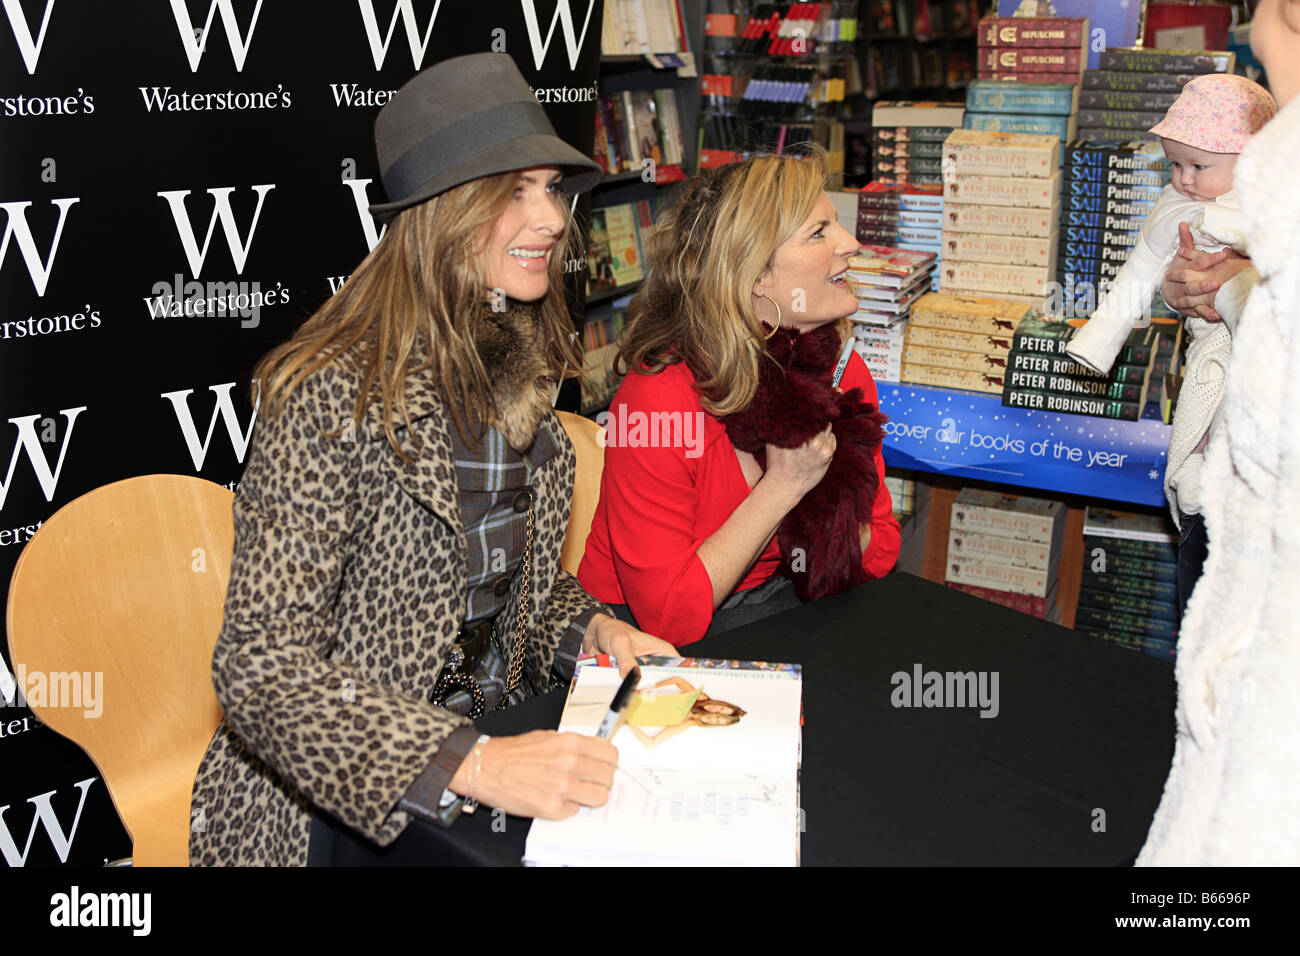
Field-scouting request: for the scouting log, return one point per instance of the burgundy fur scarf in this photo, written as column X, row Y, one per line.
column 820, row 538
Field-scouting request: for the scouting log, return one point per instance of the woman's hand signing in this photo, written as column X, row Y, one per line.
column 541, row 774
column 798, row 470
column 550, row 775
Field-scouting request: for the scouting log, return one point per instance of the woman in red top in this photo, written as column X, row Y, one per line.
column 732, row 342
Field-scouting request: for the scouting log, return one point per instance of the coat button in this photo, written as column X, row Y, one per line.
column 522, row 500
column 502, row 587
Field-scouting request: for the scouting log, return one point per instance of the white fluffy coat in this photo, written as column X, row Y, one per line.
column 1233, row 793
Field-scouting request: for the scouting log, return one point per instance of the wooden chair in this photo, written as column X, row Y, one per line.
column 129, row 581
column 590, row 453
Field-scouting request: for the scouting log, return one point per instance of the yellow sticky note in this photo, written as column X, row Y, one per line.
column 661, row 710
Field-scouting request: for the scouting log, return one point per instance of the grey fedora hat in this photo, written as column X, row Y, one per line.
column 461, row 119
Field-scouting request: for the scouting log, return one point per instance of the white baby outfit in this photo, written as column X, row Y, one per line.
column 1214, row 225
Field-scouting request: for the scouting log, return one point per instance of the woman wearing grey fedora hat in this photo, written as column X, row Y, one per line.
column 399, row 522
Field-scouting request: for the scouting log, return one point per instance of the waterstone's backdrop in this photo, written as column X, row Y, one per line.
column 182, row 182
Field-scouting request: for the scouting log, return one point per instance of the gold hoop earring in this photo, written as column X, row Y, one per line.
column 778, row 316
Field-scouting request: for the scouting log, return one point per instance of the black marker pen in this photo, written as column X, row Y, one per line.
column 619, row 704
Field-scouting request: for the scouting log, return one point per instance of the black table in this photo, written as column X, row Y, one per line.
column 1069, row 771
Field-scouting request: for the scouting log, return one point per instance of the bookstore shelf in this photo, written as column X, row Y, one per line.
column 971, row 435
column 909, row 53
column 626, row 176
column 607, row 295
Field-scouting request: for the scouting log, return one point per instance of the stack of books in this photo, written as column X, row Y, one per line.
column 881, row 347
column 1041, row 376
column 1006, row 549
column 1047, row 109
column 1133, row 88
column 1109, row 190
column 1005, row 171
column 960, row 341
column 635, row 129
column 1129, row 591
column 907, row 140
column 887, row 281
column 1033, row 49
column 903, row 215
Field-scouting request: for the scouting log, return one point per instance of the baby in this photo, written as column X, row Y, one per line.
column 1208, row 125
column 1202, row 133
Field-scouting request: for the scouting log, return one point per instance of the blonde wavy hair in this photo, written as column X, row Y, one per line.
column 412, row 307
column 708, row 250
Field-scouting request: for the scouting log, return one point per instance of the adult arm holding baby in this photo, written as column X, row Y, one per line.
column 1211, row 285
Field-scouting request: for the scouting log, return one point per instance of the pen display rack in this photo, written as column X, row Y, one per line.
column 774, row 74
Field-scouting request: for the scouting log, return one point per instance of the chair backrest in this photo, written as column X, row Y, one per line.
column 590, row 453
column 114, row 607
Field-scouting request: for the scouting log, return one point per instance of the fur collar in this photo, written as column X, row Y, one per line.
column 510, row 345
column 820, row 538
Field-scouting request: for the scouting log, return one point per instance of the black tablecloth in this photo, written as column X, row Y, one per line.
column 1069, row 771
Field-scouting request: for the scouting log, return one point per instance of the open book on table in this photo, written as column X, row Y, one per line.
column 708, row 768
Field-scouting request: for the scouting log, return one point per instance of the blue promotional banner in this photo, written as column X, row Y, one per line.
column 975, row 436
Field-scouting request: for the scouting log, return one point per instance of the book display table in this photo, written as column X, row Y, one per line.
column 899, row 765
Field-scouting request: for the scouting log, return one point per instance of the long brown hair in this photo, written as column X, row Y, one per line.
column 707, row 252
column 412, row 306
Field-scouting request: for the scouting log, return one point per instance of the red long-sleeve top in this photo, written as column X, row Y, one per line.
column 661, row 498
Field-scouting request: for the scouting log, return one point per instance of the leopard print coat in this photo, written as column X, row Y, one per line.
column 346, row 592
